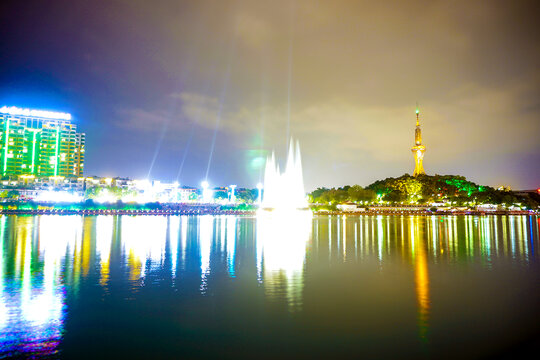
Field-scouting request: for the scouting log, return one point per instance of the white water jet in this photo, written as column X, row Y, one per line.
column 285, row 190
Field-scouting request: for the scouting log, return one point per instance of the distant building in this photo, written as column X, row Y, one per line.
column 349, row 207
column 397, row 208
column 487, row 207
column 40, row 143
column 418, row 149
column 527, row 192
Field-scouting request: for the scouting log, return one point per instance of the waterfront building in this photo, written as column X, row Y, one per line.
column 350, row 207
column 398, row 208
column 418, row 149
column 40, row 144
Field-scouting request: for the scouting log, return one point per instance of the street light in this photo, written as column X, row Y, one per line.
column 207, row 193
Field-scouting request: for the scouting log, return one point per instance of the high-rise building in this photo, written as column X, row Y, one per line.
column 418, row 149
column 39, row 143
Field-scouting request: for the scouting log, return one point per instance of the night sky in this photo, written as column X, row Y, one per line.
column 149, row 81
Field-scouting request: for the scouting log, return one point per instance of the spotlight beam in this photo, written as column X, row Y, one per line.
column 232, row 47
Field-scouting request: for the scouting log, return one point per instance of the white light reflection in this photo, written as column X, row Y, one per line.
column 206, row 227
column 174, row 233
column 40, row 315
column 58, row 237
column 15, row 111
column 525, row 238
column 143, row 238
column 222, row 236
column 184, row 239
column 231, row 244
column 380, row 236
column 282, row 237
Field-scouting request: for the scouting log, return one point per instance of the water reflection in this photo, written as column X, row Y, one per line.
column 421, row 279
column 45, row 260
column 104, row 237
column 143, row 241
column 174, row 235
column 206, row 230
column 33, row 299
column 282, row 238
column 231, row 244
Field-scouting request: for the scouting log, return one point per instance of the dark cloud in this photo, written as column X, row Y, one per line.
column 137, row 74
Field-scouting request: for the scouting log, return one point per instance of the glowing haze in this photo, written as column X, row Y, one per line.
column 178, row 89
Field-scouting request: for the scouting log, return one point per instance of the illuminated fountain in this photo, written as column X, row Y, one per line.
column 284, row 191
column 283, row 234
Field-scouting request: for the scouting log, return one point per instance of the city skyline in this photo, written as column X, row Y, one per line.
column 223, row 83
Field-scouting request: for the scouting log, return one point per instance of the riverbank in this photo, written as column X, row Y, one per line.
column 218, row 211
column 426, row 213
column 184, row 211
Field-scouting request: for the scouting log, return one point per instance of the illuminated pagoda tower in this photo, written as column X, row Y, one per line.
column 418, row 149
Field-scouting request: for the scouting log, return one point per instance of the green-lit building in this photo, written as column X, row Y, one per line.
column 39, row 143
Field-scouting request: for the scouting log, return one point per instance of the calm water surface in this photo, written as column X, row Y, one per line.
column 273, row 286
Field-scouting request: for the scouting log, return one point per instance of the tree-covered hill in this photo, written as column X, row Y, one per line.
column 424, row 189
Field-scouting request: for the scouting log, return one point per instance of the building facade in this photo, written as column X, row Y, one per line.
column 418, row 149
column 39, row 143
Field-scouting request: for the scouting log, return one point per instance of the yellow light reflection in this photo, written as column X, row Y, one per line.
column 421, row 279
column 104, row 234
column 344, row 242
column 87, row 244
column 24, row 239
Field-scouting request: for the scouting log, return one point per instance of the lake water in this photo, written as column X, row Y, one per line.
column 272, row 286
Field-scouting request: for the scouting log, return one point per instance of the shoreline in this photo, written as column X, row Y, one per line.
column 426, row 213
column 127, row 212
column 199, row 211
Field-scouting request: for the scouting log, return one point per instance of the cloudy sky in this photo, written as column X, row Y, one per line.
column 183, row 89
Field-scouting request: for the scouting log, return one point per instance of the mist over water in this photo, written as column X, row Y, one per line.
column 267, row 286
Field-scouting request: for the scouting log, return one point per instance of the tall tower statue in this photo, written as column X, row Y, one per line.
column 418, row 149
